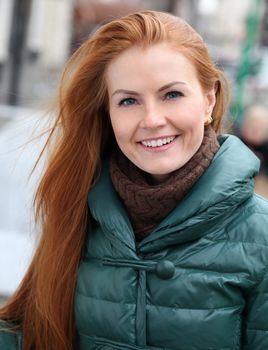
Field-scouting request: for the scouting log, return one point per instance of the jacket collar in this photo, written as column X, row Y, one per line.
column 227, row 183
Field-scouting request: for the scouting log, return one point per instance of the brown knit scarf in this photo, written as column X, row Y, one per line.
column 148, row 204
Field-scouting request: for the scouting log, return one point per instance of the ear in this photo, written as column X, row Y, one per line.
column 210, row 101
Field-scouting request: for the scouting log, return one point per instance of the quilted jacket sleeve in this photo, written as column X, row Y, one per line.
column 255, row 333
column 9, row 340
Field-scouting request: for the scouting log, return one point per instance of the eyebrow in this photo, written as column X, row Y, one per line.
column 167, row 86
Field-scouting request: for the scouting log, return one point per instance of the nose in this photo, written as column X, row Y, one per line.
column 152, row 118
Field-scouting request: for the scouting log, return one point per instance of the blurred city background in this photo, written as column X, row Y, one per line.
column 36, row 39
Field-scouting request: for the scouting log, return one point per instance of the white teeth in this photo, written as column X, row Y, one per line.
column 158, row 142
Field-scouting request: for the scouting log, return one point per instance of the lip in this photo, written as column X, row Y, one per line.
column 160, row 148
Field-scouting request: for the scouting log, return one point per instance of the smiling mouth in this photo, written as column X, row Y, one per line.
column 158, row 142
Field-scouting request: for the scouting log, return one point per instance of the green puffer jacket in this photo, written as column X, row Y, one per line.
column 198, row 282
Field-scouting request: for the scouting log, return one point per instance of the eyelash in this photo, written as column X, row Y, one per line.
column 166, row 97
column 178, row 94
column 122, row 102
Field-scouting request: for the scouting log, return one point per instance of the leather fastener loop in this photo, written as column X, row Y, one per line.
column 165, row 269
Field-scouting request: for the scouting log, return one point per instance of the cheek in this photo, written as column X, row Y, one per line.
column 121, row 128
column 195, row 115
column 193, row 107
column 190, row 120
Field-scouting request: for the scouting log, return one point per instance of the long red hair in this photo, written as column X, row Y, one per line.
column 42, row 307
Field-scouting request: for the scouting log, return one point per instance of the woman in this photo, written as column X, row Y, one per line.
column 171, row 249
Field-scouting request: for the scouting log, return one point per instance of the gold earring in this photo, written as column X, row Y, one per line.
column 210, row 120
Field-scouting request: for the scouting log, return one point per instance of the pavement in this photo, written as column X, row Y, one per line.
column 18, row 151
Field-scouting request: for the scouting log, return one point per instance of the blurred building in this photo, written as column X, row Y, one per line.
column 49, row 31
column 37, row 36
column 5, row 27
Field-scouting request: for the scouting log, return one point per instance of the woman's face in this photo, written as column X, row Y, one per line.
column 157, row 108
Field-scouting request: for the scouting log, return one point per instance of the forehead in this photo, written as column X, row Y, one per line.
column 159, row 62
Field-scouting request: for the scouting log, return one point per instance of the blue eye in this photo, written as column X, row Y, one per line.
column 127, row 102
column 171, row 95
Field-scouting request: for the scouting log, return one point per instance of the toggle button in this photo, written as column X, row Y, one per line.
column 165, row 269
